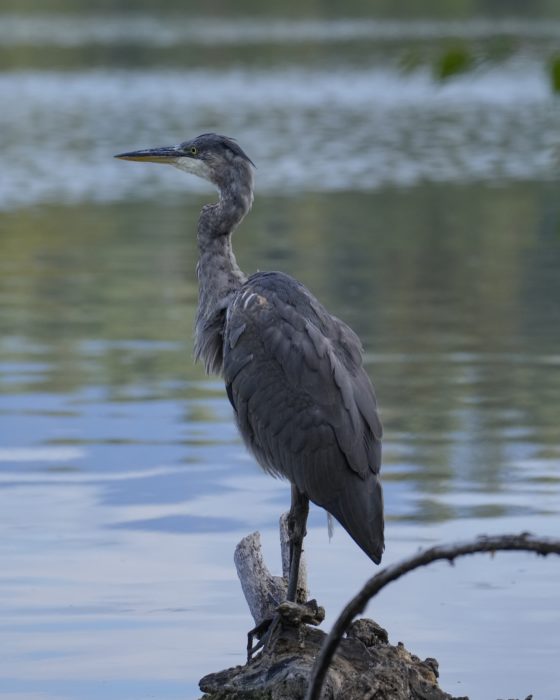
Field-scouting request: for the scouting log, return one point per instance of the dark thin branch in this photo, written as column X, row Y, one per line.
column 522, row 542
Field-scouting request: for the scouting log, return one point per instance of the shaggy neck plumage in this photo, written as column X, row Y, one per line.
column 219, row 276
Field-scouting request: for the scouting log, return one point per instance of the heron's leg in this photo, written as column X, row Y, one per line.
column 269, row 629
column 297, row 521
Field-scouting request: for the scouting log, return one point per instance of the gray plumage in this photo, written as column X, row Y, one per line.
column 303, row 402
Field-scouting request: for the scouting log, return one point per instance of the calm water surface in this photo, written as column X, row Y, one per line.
column 424, row 212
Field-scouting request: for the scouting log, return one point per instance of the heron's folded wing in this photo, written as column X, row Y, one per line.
column 304, row 403
column 295, row 377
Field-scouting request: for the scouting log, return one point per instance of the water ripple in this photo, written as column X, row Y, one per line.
column 314, row 130
column 76, row 30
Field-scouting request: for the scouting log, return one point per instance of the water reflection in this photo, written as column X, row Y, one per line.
column 68, row 30
column 390, row 128
column 379, row 110
column 124, row 486
column 418, row 209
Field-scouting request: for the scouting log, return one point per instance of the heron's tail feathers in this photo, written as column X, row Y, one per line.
column 359, row 509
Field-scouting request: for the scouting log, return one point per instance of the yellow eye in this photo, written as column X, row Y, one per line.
column 194, row 150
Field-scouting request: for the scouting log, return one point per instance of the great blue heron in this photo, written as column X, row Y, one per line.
column 303, row 402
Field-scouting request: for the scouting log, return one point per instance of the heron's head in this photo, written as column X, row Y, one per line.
column 215, row 158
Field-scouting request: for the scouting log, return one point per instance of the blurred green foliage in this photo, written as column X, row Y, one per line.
column 457, row 59
column 554, row 71
column 448, row 9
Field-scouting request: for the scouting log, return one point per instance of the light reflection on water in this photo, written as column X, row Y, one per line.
column 61, row 30
column 394, row 123
column 123, row 484
column 393, row 128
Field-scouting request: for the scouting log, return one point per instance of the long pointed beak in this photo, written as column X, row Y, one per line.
column 165, row 154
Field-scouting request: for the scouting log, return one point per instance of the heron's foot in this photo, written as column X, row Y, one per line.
column 266, row 633
column 287, row 613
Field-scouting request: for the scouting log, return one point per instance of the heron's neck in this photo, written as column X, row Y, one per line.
column 219, row 276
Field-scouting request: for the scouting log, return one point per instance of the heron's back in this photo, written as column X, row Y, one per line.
column 303, row 401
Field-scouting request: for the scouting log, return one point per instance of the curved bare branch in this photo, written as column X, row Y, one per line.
column 523, row 542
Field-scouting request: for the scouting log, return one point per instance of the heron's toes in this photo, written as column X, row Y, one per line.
column 266, row 633
column 287, row 613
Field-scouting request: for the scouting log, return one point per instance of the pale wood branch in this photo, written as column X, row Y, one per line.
column 263, row 591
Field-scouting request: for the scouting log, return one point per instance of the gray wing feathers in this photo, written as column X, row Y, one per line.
column 351, row 507
column 304, row 403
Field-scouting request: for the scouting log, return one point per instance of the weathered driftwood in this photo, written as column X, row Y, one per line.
column 365, row 665
column 299, row 662
column 263, row 591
